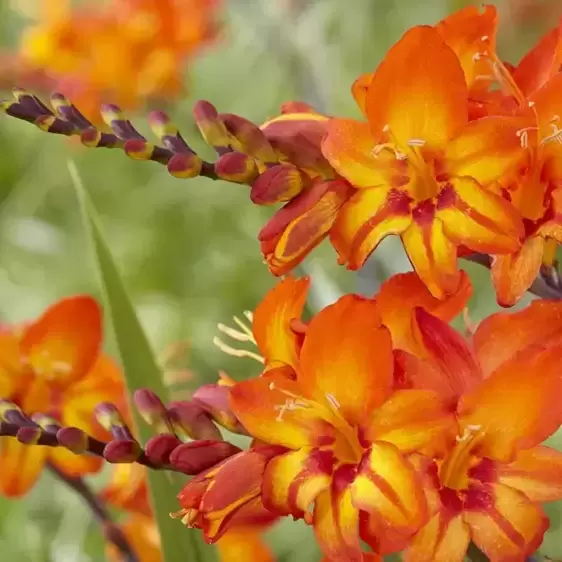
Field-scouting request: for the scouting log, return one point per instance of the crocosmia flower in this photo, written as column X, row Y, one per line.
column 488, row 486
column 54, row 366
column 421, row 168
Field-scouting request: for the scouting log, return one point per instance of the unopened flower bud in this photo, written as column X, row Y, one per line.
column 280, row 183
column 250, row 137
column 111, row 420
column 185, row 165
column 47, row 423
column 191, row 419
column 120, row 125
column 122, row 451
column 159, row 448
column 152, row 410
column 236, row 167
column 29, row 435
column 212, row 128
column 192, row 458
column 215, row 400
column 73, row 439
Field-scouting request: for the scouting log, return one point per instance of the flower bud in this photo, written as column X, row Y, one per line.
column 250, row 138
column 191, row 419
column 212, row 128
column 215, row 400
column 122, row 127
column 280, row 183
column 236, row 167
column 73, row 439
column 152, row 410
column 185, row 165
column 159, row 448
column 122, row 451
column 192, row 458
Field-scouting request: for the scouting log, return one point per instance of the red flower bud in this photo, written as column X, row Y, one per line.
column 197, row 456
column 279, row 183
column 159, row 448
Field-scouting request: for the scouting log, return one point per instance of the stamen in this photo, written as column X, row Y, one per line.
column 234, row 334
column 290, row 405
column 416, row 142
column 249, row 315
column 333, row 401
column 524, row 135
column 237, row 352
column 244, row 328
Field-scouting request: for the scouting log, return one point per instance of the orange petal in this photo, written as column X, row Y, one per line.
column 264, row 407
column 20, row 466
column 292, row 481
column 347, row 337
column 504, row 524
column 349, row 147
column 444, row 539
column 75, row 465
column 479, row 219
column 360, row 88
column 64, row 342
column 433, row 257
column 449, row 352
column 536, row 472
column 419, row 90
column 368, row 217
column 272, row 319
column 513, row 274
column 402, row 293
column 540, row 64
column 415, row 420
column 327, row 522
column 142, row 535
column 243, row 544
column 388, row 485
column 513, row 408
column 12, row 371
column 501, row 336
column 547, row 104
column 470, row 32
column 127, row 488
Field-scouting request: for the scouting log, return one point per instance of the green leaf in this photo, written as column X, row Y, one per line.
column 141, row 371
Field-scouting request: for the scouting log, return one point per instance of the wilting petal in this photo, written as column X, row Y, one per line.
column 349, row 146
column 244, row 544
column 360, row 88
column 75, row 465
column 367, row 218
column 347, row 337
column 433, row 257
column 431, row 104
column 540, row 64
column 302, row 224
column 270, row 409
column 536, row 472
column 292, row 481
column 449, row 351
column 513, row 274
column 20, row 466
column 272, row 318
column 444, row 539
column 479, row 219
column 513, row 408
column 64, row 342
column 328, row 532
column 501, row 336
column 469, row 33
column 403, row 292
column 388, row 485
column 503, row 523
column 415, row 420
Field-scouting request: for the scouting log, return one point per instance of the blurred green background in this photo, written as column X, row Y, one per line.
column 187, row 248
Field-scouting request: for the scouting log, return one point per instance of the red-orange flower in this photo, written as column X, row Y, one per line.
column 421, row 168
column 489, row 485
column 54, row 366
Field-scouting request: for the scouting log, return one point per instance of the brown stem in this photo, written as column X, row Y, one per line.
column 111, row 531
column 548, row 285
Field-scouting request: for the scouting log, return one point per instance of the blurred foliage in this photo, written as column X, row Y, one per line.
column 188, row 249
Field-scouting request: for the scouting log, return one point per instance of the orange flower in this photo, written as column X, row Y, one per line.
column 54, row 366
column 142, row 535
column 154, row 38
column 421, row 169
column 488, row 486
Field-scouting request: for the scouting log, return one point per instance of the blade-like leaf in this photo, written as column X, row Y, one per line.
column 141, row 371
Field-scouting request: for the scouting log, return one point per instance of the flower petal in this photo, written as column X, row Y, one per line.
column 513, row 274
column 128, row 488
column 513, row 408
column 504, row 524
column 433, row 257
column 328, row 531
column 419, row 90
column 20, row 466
column 141, row 533
column 75, row 465
column 449, row 351
column 469, row 33
column 64, row 342
column 12, row 371
column 272, row 318
column 479, row 219
column 501, row 336
column 270, row 409
column 368, row 217
column 536, row 472
column 244, row 543
column 292, row 481
column 402, row 293
column 415, row 420
column 360, row 88
column 387, row 484
column 444, row 539
column 347, row 358
column 349, row 147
